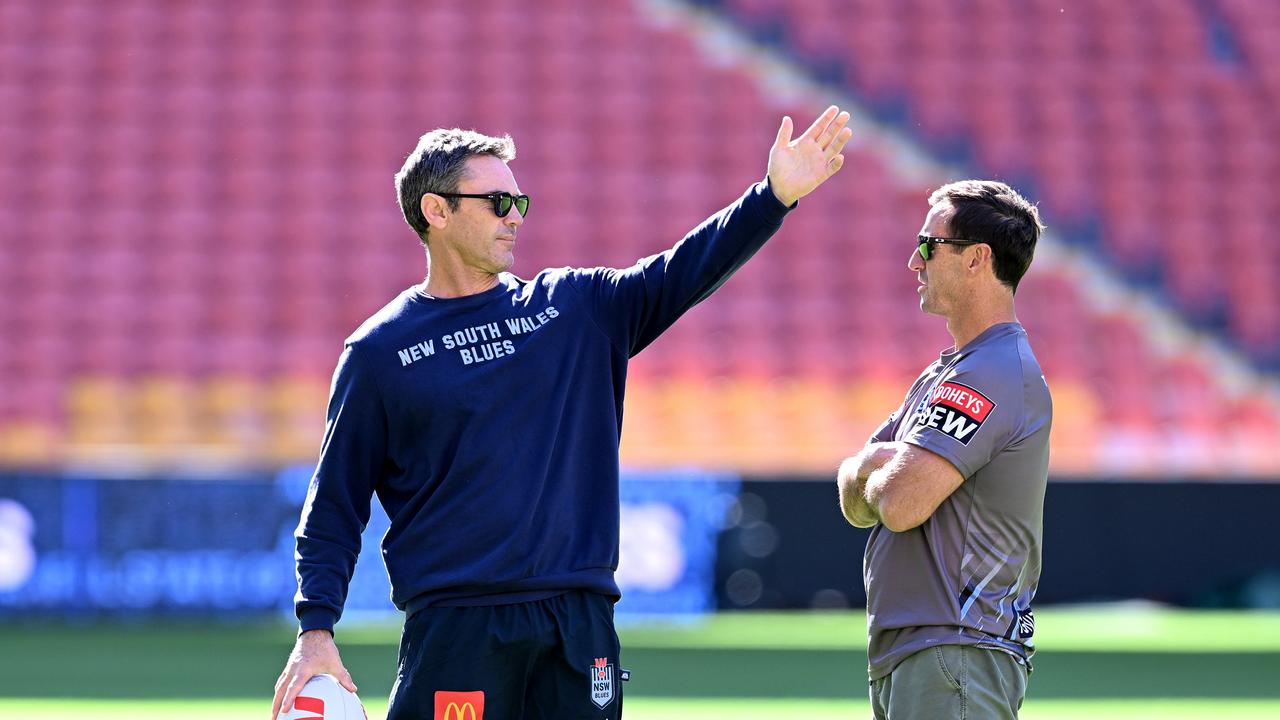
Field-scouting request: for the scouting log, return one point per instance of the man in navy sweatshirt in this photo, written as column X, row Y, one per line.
column 485, row 412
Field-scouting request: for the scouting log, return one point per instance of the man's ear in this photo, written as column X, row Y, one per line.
column 435, row 209
column 981, row 255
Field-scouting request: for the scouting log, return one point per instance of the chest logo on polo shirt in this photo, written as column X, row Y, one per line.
column 955, row 409
column 602, row 682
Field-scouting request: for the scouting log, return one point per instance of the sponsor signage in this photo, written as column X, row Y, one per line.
column 217, row 545
column 956, row 410
column 451, row 705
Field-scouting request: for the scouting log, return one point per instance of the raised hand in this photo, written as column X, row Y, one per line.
column 797, row 167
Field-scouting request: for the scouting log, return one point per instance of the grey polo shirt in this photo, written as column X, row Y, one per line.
column 967, row 575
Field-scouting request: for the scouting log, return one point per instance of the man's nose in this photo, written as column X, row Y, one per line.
column 915, row 263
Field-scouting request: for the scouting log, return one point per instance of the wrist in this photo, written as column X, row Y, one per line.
column 876, row 456
column 783, row 198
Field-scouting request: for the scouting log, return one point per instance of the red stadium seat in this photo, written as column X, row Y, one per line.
column 218, row 177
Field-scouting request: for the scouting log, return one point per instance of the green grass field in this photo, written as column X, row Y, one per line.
column 1105, row 662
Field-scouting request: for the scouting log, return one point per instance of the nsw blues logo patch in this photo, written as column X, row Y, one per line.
column 602, row 682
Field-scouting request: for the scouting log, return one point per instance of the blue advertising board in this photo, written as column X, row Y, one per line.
column 84, row 546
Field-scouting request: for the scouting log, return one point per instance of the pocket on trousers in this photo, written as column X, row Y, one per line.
column 947, row 674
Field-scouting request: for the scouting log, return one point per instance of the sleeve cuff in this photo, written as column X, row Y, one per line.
column 316, row 619
column 772, row 206
column 946, row 454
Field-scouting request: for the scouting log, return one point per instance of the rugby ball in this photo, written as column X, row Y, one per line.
column 322, row 698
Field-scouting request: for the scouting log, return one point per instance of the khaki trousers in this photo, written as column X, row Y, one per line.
column 963, row 682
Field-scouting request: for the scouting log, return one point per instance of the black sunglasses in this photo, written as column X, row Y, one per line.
column 926, row 243
column 502, row 201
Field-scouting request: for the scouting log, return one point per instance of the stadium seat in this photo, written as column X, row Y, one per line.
column 217, row 179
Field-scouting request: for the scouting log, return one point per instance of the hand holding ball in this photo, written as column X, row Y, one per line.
column 322, row 698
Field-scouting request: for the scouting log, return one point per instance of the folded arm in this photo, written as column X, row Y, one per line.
column 906, row 489
column 897, row 484
column 851, row 479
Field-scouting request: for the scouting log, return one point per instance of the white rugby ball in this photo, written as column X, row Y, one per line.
column 322, row 698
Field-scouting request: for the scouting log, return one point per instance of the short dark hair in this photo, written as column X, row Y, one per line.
column 995, row 214
column 436, row 166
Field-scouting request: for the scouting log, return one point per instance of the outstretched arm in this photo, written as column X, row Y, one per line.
column 635, row 305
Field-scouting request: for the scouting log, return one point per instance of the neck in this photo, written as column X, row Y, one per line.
column 971, row 322
column 447, row 280
column 440, row 287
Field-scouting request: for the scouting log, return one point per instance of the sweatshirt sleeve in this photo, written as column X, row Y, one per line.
column 634, row 305
column 336, row 511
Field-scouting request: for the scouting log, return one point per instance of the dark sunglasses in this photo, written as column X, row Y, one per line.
column 926, row 243
column 502, row 201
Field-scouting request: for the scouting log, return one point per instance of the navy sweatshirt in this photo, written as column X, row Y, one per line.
column 489, row 425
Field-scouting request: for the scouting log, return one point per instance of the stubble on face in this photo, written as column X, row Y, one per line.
column 486, row 242
column 933, row 274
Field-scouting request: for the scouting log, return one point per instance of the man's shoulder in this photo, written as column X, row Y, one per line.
column 550, row 277
column 566, row 274
column 577, row 279
column 1006, row 352
column 1004, row 364
column 384, row 322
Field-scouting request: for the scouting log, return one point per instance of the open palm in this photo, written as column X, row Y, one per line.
column 797, row 167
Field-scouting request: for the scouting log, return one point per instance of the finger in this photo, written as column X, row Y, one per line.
column 842, row 137
column 833, row 130
column 345, row 681
column 276, row 702
column 820, row 124
column 278, row 698
column 784, row 132
column 834, row 165
column 295, row 689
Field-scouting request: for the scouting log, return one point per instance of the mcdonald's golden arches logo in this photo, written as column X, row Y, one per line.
column 459, row 705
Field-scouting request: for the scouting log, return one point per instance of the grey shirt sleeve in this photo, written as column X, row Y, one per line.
column 972, row 415
column 884, row 433
column 888, row 429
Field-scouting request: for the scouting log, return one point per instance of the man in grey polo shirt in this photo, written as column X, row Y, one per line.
column 953, row 482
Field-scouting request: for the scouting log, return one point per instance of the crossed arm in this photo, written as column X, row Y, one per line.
column 896, row 484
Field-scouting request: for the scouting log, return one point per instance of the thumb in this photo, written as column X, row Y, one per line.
column 784, row 132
